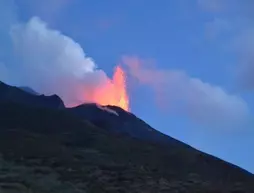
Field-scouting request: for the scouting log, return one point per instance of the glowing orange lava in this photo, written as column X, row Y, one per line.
column 114, row 91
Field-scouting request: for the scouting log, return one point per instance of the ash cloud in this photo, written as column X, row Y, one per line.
column 52, row 63
column 204, row 103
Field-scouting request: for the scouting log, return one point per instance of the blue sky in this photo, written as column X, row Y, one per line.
column 197, row 46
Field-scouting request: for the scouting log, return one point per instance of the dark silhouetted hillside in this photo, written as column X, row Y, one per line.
column 87, row 149
column 18, row 95
column 29, row 90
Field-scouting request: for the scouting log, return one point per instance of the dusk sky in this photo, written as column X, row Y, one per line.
column 189, row 63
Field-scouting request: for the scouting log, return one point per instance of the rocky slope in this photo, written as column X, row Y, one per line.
column 47, row 150
column 24, row 96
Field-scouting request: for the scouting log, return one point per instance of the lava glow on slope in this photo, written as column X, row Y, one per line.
column 114, row 91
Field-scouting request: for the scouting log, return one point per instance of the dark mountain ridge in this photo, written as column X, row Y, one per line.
column 29, row 90
column 88, row 149
column 18, row 95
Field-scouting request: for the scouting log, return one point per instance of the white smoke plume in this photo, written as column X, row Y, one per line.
column 52, row 63
column 204, row 103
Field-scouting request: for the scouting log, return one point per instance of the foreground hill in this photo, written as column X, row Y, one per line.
column 62, row 150
column 27, row 96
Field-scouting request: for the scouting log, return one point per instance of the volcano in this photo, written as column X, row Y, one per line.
column 46, row 147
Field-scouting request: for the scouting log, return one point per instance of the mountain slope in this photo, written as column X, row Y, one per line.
column 54, row 150
column 18, row 95
column 122, row 122
column 29, row 90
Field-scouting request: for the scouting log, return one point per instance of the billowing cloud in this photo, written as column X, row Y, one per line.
column 52, row 63
column 202, row 102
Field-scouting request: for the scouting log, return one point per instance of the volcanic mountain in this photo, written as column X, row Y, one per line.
column 46, row 148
